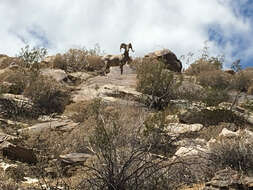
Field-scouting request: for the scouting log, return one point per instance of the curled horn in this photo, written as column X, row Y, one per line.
column 130, row 47
column 123, row 45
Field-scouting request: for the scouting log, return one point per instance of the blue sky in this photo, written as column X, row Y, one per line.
column 181, row 26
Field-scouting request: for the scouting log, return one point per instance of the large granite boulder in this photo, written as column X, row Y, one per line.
column 168, row 57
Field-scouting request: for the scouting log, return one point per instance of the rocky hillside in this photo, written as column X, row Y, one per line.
column 66, row 125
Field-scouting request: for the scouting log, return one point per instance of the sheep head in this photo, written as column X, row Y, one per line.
column 126, row 47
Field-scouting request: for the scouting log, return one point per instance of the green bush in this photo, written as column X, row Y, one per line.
column 48, row 94
column 156, row 82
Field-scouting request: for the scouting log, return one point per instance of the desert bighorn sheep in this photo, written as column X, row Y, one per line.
column 117, row 60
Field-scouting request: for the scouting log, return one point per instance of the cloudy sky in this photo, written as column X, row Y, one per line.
column 179, row 25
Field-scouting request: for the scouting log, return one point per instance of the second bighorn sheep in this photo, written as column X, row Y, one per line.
column 117, row 60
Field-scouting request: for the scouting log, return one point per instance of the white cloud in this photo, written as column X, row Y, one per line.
column 181, row 25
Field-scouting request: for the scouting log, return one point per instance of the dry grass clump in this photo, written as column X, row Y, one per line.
column 48, row 94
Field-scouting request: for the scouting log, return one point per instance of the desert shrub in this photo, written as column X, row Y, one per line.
column 155, row 130
column 48, row 95
column 233, row 153
column 79, row 60
column 190, row 91
column 60, row 62
column 203, row 65
column 211, row 117
column 213, row 97
column 157, row 82
column 134, row 64
column 81, row 111
column 243, row 80
column 215, row 79
column 31, row 57
column 94, row 63
column 122, row 160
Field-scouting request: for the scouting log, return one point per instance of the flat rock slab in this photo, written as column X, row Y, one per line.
column 62, row 125
column 179, row 128
column 74, row 158
column 109, row 87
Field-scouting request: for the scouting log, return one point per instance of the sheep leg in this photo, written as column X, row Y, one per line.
column 106, row 68
column 121, row 69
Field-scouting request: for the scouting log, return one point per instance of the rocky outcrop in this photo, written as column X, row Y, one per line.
column 168, row 57
column 59, row 125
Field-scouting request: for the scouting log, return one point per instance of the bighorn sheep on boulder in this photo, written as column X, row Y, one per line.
column 117, row 60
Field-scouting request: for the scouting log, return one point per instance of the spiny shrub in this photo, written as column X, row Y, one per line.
column 49, row 95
